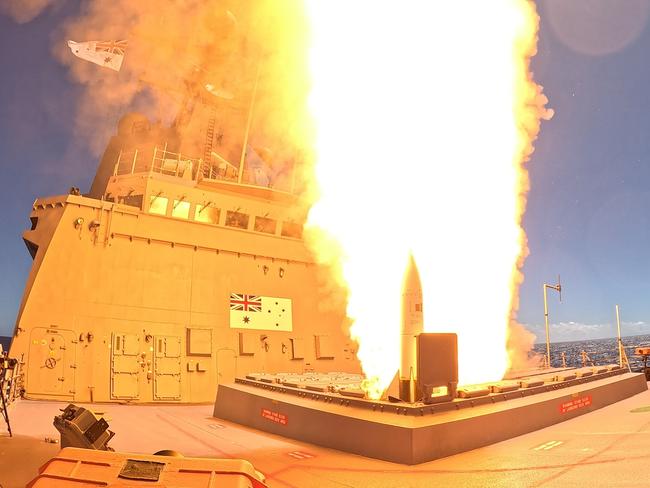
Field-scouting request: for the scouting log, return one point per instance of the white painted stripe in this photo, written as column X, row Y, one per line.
column 300, row 455
column 542, row 446
column 548, row 445
column 554, row 444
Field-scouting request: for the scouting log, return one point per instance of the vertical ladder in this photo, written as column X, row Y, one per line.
column 209, row 141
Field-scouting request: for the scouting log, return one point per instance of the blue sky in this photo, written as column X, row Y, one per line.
column 38, row 154
column 587, row 215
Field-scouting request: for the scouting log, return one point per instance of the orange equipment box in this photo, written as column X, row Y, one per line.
column 74, row 467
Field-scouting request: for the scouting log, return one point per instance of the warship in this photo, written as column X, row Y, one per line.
column 170, row 276
column 178, row 279
column 182, row 276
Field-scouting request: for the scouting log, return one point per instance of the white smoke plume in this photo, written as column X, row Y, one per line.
column 179, row 50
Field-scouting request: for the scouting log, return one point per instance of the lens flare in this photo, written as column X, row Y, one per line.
column 425, row 113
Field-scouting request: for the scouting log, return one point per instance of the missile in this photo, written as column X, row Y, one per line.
column 411, row 327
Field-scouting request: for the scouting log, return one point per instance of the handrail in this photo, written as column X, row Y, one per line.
column 11, row 385
column 174, row 164
column 162, row 161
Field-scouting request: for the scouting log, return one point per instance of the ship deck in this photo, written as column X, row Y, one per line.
column 607, row 447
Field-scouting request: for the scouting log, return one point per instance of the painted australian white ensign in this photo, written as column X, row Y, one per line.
column 260, row 312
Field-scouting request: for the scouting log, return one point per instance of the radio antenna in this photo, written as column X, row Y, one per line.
column 557, row 288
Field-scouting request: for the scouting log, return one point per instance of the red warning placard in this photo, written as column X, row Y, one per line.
column 575, row 404
column 276, row 417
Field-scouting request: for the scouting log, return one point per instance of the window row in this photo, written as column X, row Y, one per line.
column 212, row 215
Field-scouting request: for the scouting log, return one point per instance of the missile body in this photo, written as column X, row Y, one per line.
column 411, row 327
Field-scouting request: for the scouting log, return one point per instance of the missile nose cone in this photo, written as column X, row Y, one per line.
column 411, row 282
column 411, row 298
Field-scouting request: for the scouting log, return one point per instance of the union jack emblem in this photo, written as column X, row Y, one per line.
column 114, row 47
column 246, row 303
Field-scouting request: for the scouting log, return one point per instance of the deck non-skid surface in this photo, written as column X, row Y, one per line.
column 609, row 447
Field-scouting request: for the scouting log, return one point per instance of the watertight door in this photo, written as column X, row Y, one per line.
column 51, row 362
column 226, row 366
column 125, row 372
column 167, row 368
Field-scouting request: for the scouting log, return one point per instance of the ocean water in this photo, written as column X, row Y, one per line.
column 5, row 341
column 600, row 351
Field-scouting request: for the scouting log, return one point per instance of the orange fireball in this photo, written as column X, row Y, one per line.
column 425, row 115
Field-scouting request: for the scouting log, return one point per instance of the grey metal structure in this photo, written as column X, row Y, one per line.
column 80, row 427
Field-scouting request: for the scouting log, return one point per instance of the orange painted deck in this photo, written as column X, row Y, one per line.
column 608, row 447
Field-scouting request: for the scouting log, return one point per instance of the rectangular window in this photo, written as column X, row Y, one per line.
column 207, row 214
column 181, row 209
column 158, row 205
column 237, row 219
column 133, row 200
column 290, row 229
column 262, row 224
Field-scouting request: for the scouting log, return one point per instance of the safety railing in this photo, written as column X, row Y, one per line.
column 174, row 164
column 11, row 385
column 161, row 161
column 220, row 169
column 158, row 161
column 582, row 357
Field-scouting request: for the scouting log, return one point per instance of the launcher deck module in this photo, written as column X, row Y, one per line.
column 331, row 409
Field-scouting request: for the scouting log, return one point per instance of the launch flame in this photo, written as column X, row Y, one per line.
column 425, row 113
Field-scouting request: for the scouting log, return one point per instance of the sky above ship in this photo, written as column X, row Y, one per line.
column 587, row 214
